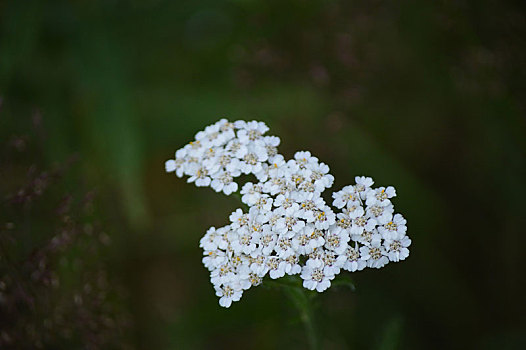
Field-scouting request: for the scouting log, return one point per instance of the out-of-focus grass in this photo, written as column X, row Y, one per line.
column 426, row 96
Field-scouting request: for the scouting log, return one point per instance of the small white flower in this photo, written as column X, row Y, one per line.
column 170, row 165
column 347, row 194
column 263, row 203
column 224, row 181
column 246, row 241
column 250, row 163
column 336, row 240
column 210, row 136
column 277, row 167
column 374, row 255
column 237, row 261
column 361, row 224
column 271, row 145
column 396, row 226
column 273, row 267
column 236, row 149
column 210, row 239
column 251, row 193
column 227, row 294
column 303, row 243
column 286, row 205
column 332, row 262
column 397, row 248
column 274, row 185
column 314, row 276
column 343, row 223
column 367, row 237
column 239, row 219
column 227, row 131
column 268, row 240
column 288, row 225
column 222, row 274
column 200, row 175
column 258, row 262
column 382, row 214
column 262, row 176
column 252, row 131
column 310, row 204
column 255, row 279
column 272, row 219
column 353, row 262
column 290, row 265
column 363, row 185
column 194, row 149
column 380, row 196
column 354, row 209
column 286, row 188
column 304, row 159
column 180, row 163
column 317, row 238
column 317, row 254
column 297, row 179
column 242, row 279
column 213, row 259
column 240, row 124
column 324, row 218
column 283, row 247
column 320, row 176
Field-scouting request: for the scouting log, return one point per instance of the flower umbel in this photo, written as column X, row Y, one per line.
column 289, row 229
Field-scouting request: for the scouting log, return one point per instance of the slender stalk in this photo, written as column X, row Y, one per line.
column 300, row 298
column 306, row 313
column 303, row 302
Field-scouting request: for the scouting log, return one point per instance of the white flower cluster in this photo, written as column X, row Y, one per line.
column 288, row 229
column 224, row 151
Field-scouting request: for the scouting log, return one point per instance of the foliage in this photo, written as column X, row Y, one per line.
column 426, row 95
column 54, row 286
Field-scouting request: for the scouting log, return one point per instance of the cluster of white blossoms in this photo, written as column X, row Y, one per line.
column 289, row 228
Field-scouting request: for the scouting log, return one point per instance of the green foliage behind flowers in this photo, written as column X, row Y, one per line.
column 55, row 291
column 427, row 96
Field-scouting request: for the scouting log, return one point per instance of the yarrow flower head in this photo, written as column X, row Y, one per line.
column 288, row 228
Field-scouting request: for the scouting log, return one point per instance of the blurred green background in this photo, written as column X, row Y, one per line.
column 427, row 96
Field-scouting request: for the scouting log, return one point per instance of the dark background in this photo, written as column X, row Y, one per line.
column 427, row 96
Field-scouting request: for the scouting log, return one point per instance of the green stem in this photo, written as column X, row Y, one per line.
column 306, row 313
column 300, row 298
column 303, row 302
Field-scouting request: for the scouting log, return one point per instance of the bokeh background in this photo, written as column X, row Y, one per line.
column 100, row 246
